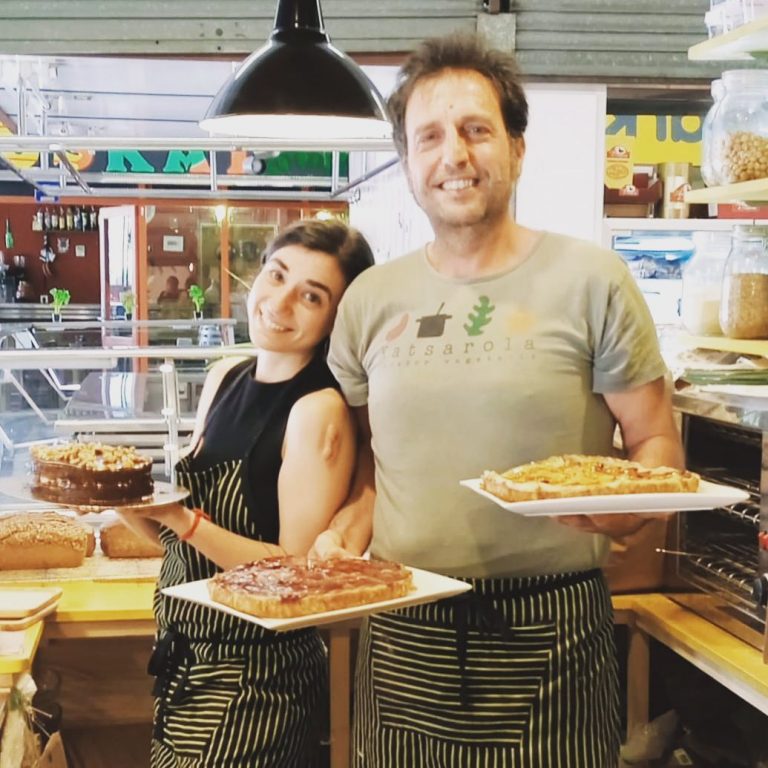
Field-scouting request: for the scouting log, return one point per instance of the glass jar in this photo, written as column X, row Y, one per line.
column 703, row 283
column 708, row 175
column 739, row 137
column 744, row 300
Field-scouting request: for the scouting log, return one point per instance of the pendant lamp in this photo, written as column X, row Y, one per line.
column 298, row 86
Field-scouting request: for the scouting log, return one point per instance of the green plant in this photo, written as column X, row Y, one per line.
column 60, row 299
column 128, row 301
column 197, row 296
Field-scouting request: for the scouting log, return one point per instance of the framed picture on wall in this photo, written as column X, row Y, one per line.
column 173, row 243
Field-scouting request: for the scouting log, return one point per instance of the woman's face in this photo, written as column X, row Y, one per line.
column 293, row 300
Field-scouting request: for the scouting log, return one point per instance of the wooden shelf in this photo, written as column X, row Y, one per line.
column 724, row 344
column 755, row 191
column 745, row 43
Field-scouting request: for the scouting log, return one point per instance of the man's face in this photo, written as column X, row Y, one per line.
column 461, row 163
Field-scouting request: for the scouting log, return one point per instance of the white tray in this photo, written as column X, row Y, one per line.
column 18, row 488
column 429, row 587
column 709, row 496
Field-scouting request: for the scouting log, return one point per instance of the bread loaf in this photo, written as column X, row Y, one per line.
column 118, row 540
column 31, row 540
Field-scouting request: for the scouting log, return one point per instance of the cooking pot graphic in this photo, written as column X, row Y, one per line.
column 432, row 325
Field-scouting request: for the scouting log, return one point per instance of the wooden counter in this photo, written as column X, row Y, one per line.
column 90, row 610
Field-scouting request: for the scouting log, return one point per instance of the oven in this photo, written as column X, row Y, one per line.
column 721, row 569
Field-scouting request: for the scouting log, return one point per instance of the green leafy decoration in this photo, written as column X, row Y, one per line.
column 60, row 298
column 479, row 317
column 197, row 295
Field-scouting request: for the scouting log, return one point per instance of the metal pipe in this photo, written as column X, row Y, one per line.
column 76, row 143
column 65, row 161
column 367, row 175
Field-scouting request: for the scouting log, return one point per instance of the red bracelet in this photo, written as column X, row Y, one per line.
column 199, row 515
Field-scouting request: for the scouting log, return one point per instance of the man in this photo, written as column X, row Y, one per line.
column 492, row 346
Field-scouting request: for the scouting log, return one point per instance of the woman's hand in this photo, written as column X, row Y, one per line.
column 174, row 515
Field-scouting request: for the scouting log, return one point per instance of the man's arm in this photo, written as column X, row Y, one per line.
column 650, row 437
column 349, row 532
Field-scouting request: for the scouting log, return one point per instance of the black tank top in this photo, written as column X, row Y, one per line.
column 247, row 420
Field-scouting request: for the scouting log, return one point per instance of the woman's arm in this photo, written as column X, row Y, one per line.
column 318, row 463
column 146, row 524
column 349, row 532
column 318, row 458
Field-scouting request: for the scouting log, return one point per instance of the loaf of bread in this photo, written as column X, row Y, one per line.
column 31, row 540
column 118, row 540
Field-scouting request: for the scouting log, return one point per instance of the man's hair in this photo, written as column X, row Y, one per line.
column 331, row 236
column 456, row 52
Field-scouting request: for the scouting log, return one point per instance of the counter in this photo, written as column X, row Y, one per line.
column 118, row 609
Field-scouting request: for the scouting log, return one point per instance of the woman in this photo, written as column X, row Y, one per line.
column 269, row 429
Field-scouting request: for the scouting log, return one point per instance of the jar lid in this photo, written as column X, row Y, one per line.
column 736, row 79
column 749, row 232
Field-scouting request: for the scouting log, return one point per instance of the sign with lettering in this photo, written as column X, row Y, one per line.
column 659, row 138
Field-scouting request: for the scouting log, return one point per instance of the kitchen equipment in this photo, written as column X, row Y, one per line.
column 724, row 576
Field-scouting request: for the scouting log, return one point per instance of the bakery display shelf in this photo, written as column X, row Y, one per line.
column 745, row 43
column 756, row 347
column 755, row 190
column 98, row 567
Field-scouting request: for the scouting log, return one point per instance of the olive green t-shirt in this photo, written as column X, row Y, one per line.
column 462, row 375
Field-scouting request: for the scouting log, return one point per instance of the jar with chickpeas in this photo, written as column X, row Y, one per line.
column 739, row 130
column 744, row 298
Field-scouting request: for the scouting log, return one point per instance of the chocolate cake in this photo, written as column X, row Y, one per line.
column 90, row 474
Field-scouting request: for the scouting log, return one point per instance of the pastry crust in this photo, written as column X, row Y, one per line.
column 571, row 475
column 286, row 587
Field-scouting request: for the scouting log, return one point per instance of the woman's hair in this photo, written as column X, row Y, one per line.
column 330, row 236
column 459, row 51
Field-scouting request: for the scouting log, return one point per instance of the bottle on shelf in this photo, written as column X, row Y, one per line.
column 739, row 136
column 94, row 219
column 744, row 301
column 54, row 219
column 46, row 219
column 708, row 174
column 77, row 218
column 703, row 283
column 70, row 218
column 62, row 219
column 8, row 234
column 37, row 220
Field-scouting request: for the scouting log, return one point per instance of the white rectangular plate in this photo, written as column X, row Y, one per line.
column 709, row 496
column 429, row 587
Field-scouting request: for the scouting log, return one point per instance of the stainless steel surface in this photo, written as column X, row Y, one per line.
column 14, row 358
column 740, row 411
column 718, row 555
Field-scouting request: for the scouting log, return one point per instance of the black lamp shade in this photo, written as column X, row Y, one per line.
column 298, row 86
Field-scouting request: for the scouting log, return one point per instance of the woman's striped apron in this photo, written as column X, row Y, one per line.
column 517, row 673
column 228, row 693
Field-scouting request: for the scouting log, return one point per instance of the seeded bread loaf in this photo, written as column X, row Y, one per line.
column 32, row 540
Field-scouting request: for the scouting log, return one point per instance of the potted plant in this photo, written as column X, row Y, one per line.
column 60, row 300
column 197, row 296
column 128, row 302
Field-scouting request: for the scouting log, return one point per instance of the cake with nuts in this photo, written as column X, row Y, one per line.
column 90, row 474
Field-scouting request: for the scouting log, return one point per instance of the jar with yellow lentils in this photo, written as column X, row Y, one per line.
column 739, row 131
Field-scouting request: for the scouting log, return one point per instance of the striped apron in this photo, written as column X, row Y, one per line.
column 517, row 673
column 228, row 693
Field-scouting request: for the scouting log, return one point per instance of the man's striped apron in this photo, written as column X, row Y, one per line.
column 519, row 673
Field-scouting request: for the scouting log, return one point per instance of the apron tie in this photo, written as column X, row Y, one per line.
column 490, row 621
column 171, row 651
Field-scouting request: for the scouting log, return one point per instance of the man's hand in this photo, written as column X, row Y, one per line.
column 616, row 526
